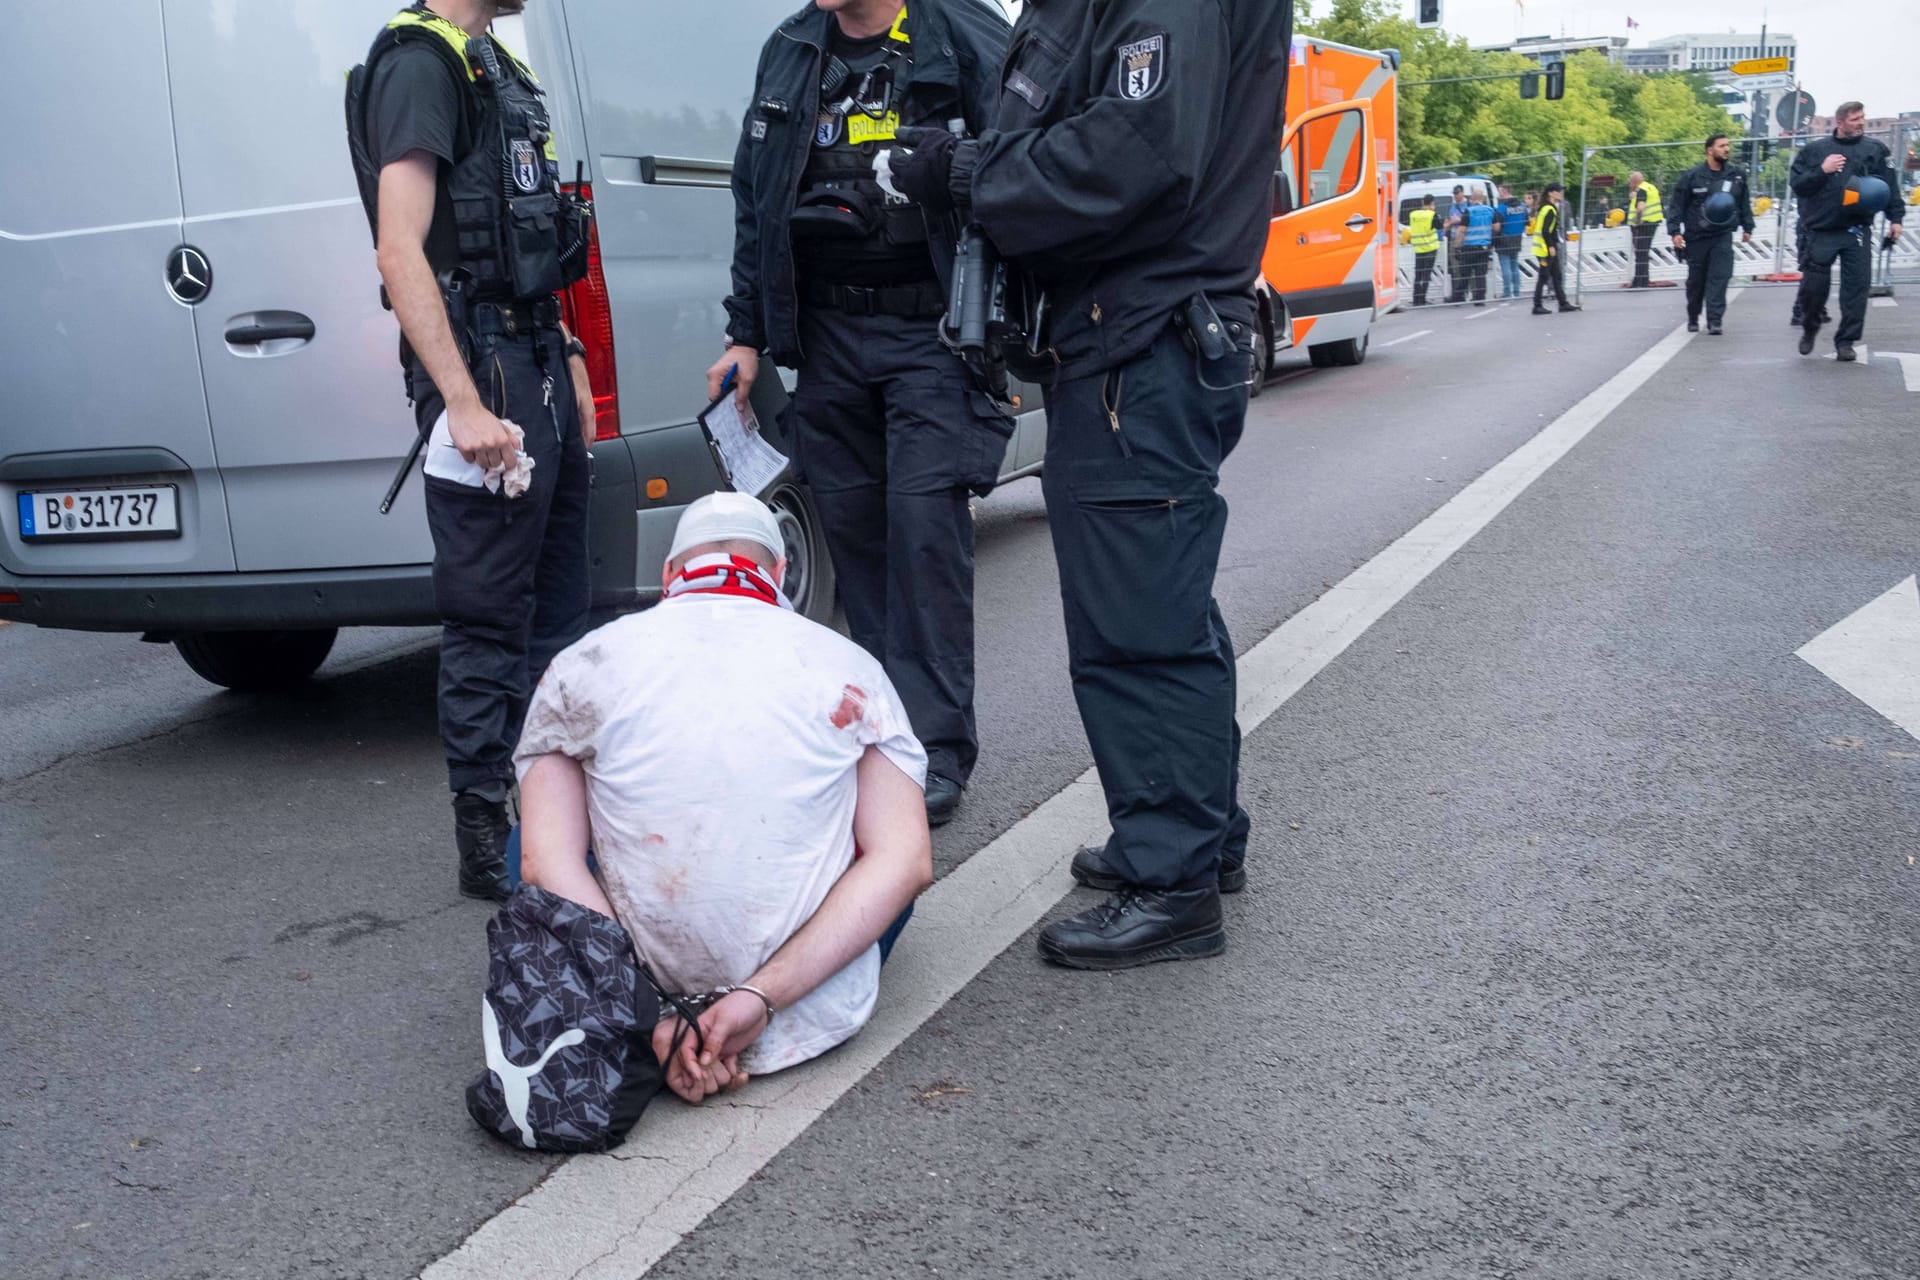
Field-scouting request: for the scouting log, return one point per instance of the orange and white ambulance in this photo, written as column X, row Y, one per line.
column 1328, row 269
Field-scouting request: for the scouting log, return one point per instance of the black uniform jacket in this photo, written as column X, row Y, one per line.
column 1132, row 161
column 1822, row 195
column 956, row 51
column 1686, row 204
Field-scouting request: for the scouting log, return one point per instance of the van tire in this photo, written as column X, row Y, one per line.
column 1346, row 352
column 253, row 660
column 810, row 581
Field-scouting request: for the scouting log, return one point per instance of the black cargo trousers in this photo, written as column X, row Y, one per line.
column 892, row 437
column 1817, row 255
column 1709, row 269
column 1131, row 476
column 510, row 575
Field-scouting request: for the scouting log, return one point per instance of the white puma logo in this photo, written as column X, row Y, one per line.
column 513, row 1080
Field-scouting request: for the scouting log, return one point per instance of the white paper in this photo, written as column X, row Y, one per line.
column 752, row 464
column 444, row 462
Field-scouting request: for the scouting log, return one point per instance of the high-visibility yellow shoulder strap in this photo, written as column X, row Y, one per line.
column 899, row 29
column 427, row 20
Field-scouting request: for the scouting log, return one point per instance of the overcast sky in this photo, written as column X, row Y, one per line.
column 1864, row 49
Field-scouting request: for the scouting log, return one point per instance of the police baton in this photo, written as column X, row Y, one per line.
column 400, row 476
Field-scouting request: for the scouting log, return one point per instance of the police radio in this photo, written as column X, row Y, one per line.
column 978, row 323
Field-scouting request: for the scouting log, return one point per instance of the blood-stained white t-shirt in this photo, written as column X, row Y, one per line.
column 719, row 736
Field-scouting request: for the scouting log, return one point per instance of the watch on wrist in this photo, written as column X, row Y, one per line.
column 575, row 347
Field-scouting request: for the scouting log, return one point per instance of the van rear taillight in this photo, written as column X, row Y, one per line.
column 589, row 315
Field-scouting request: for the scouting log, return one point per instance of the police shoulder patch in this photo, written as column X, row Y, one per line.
column 1142, row 66
column 526, row 170
column 827, row 131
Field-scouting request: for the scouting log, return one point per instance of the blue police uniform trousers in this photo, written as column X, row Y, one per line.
column 1132, row 468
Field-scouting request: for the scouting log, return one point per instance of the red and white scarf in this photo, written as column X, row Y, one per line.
column 725, row 575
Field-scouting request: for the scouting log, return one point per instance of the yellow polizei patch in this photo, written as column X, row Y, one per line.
column 862, row 128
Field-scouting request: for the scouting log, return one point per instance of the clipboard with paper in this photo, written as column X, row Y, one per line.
column 747, row 462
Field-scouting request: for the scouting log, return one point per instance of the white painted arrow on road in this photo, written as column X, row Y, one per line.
column 1909, row 366
column 1874, row 654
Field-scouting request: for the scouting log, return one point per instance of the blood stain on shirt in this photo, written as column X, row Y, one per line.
column 853, row 706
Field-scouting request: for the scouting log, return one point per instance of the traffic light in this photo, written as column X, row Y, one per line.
column 1428, row 13
column 1529, row 84
column 1556, row 81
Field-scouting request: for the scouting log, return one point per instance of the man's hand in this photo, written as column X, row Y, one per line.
column 1746, row 237
column 583, row 405
column 480, row 437
column 746, row 362
column 921, row 173
column 1895, row 230
column 1833, row 163
column 692, row 1075
column 1679, row 242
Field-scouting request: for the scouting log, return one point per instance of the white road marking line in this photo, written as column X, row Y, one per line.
column 1869, row 653
column 601, row 1217
column 1481, row 316
column 1909, row 366
column 1883, row 302
column 1409, row 338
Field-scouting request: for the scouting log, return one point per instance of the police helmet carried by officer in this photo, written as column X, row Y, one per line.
column 1720, row 209
column 1866, row 198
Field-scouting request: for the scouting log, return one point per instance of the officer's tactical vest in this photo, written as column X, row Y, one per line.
column 1650, row 214
column 1424, row 238
column 517, row 235
column 1541, row 226
column 839, row 198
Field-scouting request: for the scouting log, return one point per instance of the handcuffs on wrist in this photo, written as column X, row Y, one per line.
column 701, row 1003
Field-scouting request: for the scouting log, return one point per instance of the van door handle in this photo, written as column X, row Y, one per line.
column 1358, row 221
column 268, row 326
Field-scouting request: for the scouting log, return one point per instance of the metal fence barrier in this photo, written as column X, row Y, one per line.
column 1456, row 275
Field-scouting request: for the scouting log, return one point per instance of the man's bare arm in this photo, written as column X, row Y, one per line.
column 895, row 867
column 407, row 193
column 554, row 832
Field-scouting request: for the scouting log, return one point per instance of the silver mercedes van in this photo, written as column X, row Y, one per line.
column 200, row 401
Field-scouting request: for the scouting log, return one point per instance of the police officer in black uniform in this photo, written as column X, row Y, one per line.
column 837, row 277
column 1706, row 203
column 1836, row 227
column 475, row 236
column 1130, row 170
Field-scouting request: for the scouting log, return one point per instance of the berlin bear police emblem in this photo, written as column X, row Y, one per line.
column 1143, row 66
column 526, row 165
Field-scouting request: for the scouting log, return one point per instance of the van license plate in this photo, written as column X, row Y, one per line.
column 86, row 514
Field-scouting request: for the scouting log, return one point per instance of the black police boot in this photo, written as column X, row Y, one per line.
column 1795, row 319
column 943, row 798
column 480, row 829
column 1843, row 352
column 1540, row 310
column 1136, row 927
column 1693, row 324
column 1713, row 328
column 1569, row 306
column 1807, row 335
column 1091, row 868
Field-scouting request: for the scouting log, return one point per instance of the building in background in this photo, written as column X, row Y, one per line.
column 1711, row 52
column 1545, row 49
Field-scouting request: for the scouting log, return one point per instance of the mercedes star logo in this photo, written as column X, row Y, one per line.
column 189, row 275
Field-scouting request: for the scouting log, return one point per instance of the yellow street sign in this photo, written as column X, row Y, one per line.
column 1761, row 66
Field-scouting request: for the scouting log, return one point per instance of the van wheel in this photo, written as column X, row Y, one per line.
column 810, row 581
column 251, row 660
column 1348, row 351
column 1262, row 356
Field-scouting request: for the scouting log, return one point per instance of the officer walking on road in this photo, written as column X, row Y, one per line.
column 1645, row 214
column 1708, row 200
column 1843, row 181
column 442, row 118
column 1425, row 240
column 1548, row 242
column 889, row 431
column 1130, row 170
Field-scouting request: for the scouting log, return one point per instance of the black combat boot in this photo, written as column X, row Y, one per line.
column 943, row 799
column 1136, row 927
column 1091, row 868
column 480, row 829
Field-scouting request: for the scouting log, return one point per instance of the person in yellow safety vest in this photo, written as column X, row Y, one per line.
column 1546, row 252
column 1425, row 239
column 1646, row 218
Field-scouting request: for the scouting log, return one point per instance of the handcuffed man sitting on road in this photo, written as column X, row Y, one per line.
column 752, row 792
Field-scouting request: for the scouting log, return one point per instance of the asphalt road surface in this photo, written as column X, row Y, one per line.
column 1579, row 940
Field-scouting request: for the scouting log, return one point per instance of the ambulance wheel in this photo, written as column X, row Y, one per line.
column 1346, row 352
column 254, row 660
column 810, row 581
